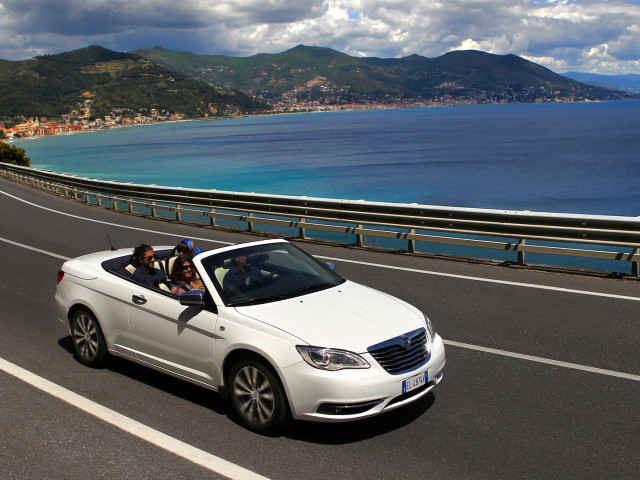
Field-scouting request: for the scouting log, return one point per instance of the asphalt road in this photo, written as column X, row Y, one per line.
column 542, row 377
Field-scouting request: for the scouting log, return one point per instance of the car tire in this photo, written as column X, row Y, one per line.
column 87, row 339
column 257, row 397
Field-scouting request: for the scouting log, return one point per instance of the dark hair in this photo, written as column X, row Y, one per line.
column 138, row 252
column 177, row 267
column 187, row 247
column 183, row 248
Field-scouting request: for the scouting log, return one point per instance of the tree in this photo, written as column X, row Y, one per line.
column 14, row 155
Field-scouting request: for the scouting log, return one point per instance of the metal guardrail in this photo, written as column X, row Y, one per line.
column 400, row 221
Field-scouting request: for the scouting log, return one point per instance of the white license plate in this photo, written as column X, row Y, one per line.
column 414, row 382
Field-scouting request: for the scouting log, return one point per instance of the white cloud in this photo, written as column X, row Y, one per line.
column 587, row 35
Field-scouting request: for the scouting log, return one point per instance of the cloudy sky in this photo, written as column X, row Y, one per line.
column 597, row 36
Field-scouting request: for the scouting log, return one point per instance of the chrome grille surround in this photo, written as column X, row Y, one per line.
column 403, row 353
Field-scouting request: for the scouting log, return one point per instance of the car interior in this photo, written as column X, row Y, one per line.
column 124, row 267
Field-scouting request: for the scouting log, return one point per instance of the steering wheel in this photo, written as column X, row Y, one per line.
column 270, row 276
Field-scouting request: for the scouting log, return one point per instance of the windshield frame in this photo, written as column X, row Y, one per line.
column 285, row 271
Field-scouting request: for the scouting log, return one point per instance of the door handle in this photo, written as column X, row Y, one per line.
column 139, row 299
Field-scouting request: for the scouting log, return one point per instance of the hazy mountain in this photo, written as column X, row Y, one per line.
column 328, row 76
column 625, row 83
column 53, row 85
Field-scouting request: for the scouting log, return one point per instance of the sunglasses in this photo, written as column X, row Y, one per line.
column 185, row 267
column 149, row 256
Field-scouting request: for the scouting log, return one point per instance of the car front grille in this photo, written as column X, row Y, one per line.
column 403, row 353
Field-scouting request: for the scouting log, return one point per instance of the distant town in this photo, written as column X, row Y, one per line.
column 80, row 120
column 75, row 122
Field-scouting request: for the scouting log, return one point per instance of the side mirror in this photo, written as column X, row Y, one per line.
column 330, row 265
column 192, row 298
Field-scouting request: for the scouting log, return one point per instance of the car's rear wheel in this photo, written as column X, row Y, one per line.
column 88, row 341
column 257, row 397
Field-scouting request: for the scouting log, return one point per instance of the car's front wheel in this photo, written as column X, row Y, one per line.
column 257, row 397
column 88, row 341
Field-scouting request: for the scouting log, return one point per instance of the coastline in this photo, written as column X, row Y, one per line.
column 301, row 110
column 99, row 129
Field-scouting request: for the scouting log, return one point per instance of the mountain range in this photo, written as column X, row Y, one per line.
column 328, row 76
column 217, row 85
column 626, row 83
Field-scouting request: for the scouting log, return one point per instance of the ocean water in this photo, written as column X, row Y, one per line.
column 568, row 158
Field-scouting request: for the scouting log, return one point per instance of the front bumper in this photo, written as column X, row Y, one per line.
column 351, row 394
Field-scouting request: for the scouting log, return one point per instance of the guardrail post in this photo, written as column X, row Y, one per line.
column 302, row 232
column 130, row 206
column 635, row 266
column 521, row 242
column 212, row 217
column 99, row 200
column 359, row 237
column 153, row 210
column 178, row 214
column 412, row 243
column 250, row 223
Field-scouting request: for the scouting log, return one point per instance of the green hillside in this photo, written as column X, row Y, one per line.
column 328, row 76
column 54, row 85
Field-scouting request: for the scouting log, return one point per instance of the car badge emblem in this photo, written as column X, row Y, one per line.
column 406, row 342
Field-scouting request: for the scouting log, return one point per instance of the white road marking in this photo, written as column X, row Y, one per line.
column 148, row 434
column 34, row 249
column 110, row 223
column 547, row 361
column 486, row 280
column 377, row 265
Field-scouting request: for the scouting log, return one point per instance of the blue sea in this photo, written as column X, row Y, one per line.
column 568, row 158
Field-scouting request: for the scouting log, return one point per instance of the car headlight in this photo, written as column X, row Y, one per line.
column 330, row 358
column 430, row 329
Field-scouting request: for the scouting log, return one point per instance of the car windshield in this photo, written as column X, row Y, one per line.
column 267, row 272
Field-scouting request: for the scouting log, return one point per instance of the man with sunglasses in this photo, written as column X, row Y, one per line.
column 146, row 272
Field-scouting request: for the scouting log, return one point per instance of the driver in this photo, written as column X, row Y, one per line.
column 241, row 273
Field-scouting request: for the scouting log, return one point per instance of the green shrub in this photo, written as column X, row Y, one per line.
column 14, row 155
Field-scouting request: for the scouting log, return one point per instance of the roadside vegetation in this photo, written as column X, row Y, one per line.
column 14, row 155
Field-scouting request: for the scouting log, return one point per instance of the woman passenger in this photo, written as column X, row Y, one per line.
column 183, row 276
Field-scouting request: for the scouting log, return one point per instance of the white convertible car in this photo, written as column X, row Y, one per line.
column 298, row 341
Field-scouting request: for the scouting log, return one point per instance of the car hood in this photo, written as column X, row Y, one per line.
column 348, row 316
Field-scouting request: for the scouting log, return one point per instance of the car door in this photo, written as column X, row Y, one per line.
column 171, row 336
